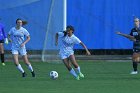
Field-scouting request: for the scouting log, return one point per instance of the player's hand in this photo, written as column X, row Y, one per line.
column 88, row 53
column 119, row 33
column 6, row 41
column 22, row 44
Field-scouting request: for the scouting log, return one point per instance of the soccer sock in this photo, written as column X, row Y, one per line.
column 135, row 64
column 20, row 68
column 2, row 58
column 30, row 68
column 78, row 69
column 73, row 72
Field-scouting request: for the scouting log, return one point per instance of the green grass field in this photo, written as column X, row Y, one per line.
column 100, row 77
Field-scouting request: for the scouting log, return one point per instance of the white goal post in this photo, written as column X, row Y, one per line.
column 57, row 20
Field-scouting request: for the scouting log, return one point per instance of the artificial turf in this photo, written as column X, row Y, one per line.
column 100, row 77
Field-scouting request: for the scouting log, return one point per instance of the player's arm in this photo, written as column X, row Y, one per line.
column 9, row 39
column 84, row 46
column 27, row 40
column 9, row 35
column 58, row 34
column 132, row 38
column 56, row 39
column 4, row 35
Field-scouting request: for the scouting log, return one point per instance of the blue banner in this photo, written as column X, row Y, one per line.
column 96, row 21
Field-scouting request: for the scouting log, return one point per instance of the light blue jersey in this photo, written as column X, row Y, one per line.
column 18, row 36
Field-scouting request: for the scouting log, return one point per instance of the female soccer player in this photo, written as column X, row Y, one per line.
column 17, row 35
column 3, row 38
column 66, row 50
column 135, row 37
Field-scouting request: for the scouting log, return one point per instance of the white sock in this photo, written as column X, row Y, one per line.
column 78, row 69
column 73, row 72
column 20, row 68
column 30, row 68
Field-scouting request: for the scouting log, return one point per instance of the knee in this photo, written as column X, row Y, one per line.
column 136, row 57
column 2, row 51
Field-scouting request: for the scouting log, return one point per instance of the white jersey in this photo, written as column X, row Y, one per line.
column 17, row 36
column 67, row 43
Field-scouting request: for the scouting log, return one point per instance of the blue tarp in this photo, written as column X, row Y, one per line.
column 95, row 21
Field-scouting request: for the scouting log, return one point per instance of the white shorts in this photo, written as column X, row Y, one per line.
column 21, row 51
column 66, row 55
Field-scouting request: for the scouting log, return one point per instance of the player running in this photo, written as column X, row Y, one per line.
column 135, row 37
column 17, row 35
column 3, row 38
column 66, row 50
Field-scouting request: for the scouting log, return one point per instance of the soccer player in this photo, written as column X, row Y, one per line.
column 16, row 37
column 135, row 37
column 66, row 50
column 3, row 38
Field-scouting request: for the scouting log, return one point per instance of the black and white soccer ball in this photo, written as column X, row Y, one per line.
column 53, row 75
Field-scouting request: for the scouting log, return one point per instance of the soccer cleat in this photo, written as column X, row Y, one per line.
column 134, row 72
column 77, row 78
column 81, row 75
column 3, row 64
column 24, row 74
column 33, row 74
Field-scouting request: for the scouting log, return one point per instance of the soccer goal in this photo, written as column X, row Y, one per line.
column 56, row 22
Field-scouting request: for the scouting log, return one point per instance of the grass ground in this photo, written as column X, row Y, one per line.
column 100, row 77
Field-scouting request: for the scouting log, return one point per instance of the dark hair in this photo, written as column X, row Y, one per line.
column 69, row 27
column 18, row 19
column 65, row 33
column 23, row 21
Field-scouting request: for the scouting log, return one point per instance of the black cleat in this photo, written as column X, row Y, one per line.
column 33, row 74
column 24, row 74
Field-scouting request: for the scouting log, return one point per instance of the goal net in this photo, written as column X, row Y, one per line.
column 56, row 22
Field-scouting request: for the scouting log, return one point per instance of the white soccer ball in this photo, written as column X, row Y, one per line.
column 53, row 75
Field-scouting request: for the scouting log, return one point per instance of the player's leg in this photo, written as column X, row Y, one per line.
column 68, row 66
column 26, row 61
column 16, row 62
column 75, row 64
column 2, row 53
column 135, row 63
column 135, row 59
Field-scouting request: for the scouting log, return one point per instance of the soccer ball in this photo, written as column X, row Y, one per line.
column 53, row 75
